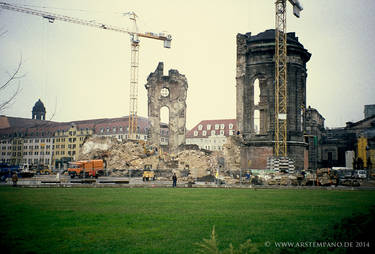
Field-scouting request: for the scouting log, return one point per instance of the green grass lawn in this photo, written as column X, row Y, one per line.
column 166, row 220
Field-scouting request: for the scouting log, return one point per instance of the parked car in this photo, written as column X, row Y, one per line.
column 361, row 174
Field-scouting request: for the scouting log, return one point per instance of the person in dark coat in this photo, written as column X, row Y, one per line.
column 14, row 179
column 174, row 178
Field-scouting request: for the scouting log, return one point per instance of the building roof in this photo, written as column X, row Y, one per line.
column 368, row 122
column 212, row 123
column 31, row 127
column 18, row 122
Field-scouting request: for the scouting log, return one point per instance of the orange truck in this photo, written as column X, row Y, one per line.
column 83, row 169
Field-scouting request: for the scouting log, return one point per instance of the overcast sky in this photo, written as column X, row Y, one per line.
column 83, row 73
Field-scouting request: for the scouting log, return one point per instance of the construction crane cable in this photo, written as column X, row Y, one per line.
column 68, row 9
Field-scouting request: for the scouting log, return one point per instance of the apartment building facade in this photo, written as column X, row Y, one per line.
column 211, row 134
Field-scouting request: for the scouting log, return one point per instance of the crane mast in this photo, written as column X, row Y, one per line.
column 134, row 42
column 281, row 89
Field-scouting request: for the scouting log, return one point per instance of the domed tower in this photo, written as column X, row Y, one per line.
column 256, row 97
column 39, row 111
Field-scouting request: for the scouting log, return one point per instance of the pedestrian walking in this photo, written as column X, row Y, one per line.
column 14, row 179
column 174, row 178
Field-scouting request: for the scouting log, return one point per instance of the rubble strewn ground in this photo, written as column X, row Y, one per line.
column 131, row 157
column 122, row 156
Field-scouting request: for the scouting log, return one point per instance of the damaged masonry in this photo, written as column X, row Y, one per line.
column 167, row 91
column 124, row 156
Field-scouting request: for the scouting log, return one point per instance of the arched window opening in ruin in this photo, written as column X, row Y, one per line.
column 164, row 126
column 256, row 92
column 256, row 116
column 257, row 121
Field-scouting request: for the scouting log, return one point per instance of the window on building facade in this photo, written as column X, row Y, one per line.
column 221, row 132
column 200, row 127
column 230, row 126
column 114, row 129
column 204, row 133
column 121, row 129
column 208, row 127
column 101, row 130
column 195, row 133
column 222, row 126
column 213, row 133
column 217, row 126
column 256, row 116
column 231, row 132
column 107, row 129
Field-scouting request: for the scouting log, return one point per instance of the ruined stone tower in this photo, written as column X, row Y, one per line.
column 39, row 111
column 167, row 91
column 256, row 100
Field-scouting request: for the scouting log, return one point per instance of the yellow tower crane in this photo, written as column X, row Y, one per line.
column 134, row 41
column 281, row 94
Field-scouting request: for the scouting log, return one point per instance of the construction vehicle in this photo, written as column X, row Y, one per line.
column 134, row 42
column 148, row 173
column 148, row 150
column 83, row 169
column 41, row 170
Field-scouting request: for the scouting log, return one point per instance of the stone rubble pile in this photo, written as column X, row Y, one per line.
column 122, row 156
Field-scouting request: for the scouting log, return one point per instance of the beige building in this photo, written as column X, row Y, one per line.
column 211, row 134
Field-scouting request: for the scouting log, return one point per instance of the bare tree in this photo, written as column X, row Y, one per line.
column 11, row 81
